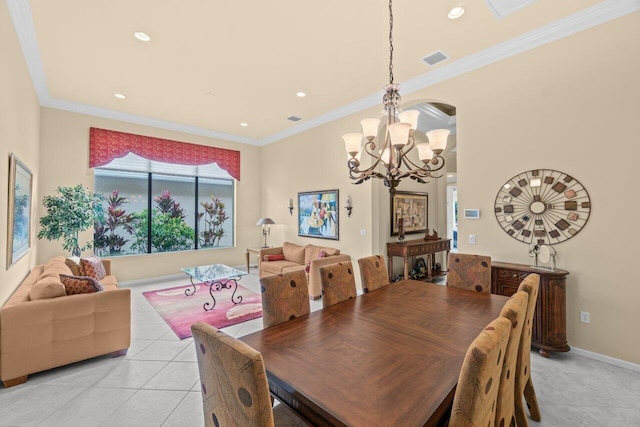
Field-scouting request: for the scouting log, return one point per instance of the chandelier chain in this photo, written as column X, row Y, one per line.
column 390, row 43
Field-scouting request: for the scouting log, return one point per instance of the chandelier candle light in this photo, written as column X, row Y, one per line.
column 399, row 140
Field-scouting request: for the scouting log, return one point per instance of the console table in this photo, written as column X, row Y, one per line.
column 550, row 319
column 413, row 248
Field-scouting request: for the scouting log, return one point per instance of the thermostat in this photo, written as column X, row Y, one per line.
column 472, row 213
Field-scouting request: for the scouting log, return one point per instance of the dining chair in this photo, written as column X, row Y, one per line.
column 338, row 283
column 284, row 297
column 524, row 384
column 233, row 380
column 373, row 273
column 468, row 271
column 515, row 311
column 474, row 402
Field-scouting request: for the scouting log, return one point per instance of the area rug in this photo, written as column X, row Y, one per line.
column 181, row 311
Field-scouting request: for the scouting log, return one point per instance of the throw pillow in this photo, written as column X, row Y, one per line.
column 321, row 254
column 74, row 264
column 80, row 284
column 48, row 287
column 276, row 257
column 93, row 267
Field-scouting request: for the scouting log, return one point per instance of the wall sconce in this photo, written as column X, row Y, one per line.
column 290, row 206
column 348, row 206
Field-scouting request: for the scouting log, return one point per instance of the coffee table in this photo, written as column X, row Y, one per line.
column 216, row 277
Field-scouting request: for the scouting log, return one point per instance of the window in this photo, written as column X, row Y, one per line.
column 150, row 207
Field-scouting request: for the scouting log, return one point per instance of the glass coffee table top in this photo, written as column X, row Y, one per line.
column 213, row 272
column 217, row 277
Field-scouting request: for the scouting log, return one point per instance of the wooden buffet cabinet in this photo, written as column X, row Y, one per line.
column 550, row 319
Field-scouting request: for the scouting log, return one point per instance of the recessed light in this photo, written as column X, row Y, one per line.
column 244, row 125
column 119, row 95
column 456, row 12
column 301, row 94
column 143, row 37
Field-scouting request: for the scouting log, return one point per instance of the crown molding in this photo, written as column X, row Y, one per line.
column 598, row 14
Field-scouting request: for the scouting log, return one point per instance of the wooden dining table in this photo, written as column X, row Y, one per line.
column 390, row 357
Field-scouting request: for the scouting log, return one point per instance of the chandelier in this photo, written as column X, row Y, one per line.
column 399, row 141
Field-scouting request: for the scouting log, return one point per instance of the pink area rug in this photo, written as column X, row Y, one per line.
column 181, row 311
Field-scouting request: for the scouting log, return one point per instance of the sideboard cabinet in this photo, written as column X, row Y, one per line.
column 550, row 318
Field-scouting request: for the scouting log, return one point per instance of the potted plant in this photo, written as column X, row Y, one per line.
column 68, row 213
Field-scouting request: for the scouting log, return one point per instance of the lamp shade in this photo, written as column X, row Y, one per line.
column 352, row 142
column 411, row 117
column 438, row 139
column 424, row 152
column 399, row 133
column 370, row 127
column 265, row 221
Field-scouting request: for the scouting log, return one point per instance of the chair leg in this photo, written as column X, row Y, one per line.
column 521, row 416
column 532, row 400
column 14, row 381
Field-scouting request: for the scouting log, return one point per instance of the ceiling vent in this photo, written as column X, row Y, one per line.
column 435, row 58
column 504, row 7
column 294, row 118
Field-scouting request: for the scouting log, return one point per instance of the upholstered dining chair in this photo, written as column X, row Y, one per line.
column 373, row 273
column 471, row 272
column 524, row 384
column 474, row 402
column 338, row 283
column 233, row 379
column 284, row 297
column 515, row 311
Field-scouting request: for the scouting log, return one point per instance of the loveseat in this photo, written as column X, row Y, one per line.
column 42, row 328
column 291, row 257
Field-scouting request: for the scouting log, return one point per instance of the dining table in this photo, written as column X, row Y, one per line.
column 390, row 357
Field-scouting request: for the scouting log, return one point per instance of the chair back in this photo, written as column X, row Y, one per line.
column 233, row 379
column 515, row 311
column 284, row 297
column 530, row 285
column 471, row 272
column 373, row 273
column 474, row 403
column 338, row 283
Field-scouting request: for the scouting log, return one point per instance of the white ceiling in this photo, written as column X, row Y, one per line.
column 211, row 65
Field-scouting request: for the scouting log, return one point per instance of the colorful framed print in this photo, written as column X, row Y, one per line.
column 18, row 211
column 318, row 214
column 412, row 208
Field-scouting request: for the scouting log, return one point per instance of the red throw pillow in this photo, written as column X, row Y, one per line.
column 80, row 284
column 276, row 257
column 93, row 267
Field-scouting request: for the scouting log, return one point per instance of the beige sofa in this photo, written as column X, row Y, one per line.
column 36, row 335
column 297, row 257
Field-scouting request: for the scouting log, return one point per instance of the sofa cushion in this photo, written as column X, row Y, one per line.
column 74, row 265
column 49, row 287
column 294, row 253
column 92, row 267
column 277, row 267
column 312, row 252
column 80, row 284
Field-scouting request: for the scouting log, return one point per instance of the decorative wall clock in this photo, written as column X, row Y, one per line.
column 542, row 206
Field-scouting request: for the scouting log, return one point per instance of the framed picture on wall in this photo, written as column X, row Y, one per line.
column 318, row 214
column 18, row 210
column 412, row 208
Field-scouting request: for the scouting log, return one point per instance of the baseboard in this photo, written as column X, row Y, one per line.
column 606, row 359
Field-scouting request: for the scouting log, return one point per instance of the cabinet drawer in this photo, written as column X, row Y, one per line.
column 505, row 287
column 513, row 276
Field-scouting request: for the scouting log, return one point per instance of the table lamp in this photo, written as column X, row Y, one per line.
column 266, row 228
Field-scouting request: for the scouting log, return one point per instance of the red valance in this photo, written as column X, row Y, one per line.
column 106, row 145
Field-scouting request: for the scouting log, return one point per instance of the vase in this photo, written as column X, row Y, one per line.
column 400, row 229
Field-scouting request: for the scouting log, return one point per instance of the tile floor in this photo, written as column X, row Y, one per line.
column 156, row 383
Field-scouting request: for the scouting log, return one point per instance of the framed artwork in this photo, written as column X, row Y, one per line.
column 412, row 208
column 18, row 211
column 318, row 214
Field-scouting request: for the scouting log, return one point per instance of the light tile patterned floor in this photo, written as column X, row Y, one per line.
column 156, row 383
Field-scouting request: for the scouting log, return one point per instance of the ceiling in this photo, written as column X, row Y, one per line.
column 211, row 65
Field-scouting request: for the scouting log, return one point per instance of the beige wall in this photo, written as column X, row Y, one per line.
column 64, row 160
column 553, row 107
column 19, row 134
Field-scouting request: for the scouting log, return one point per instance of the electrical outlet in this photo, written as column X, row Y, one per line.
column 584, row 317
column 472, row 239
column 363, row 231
